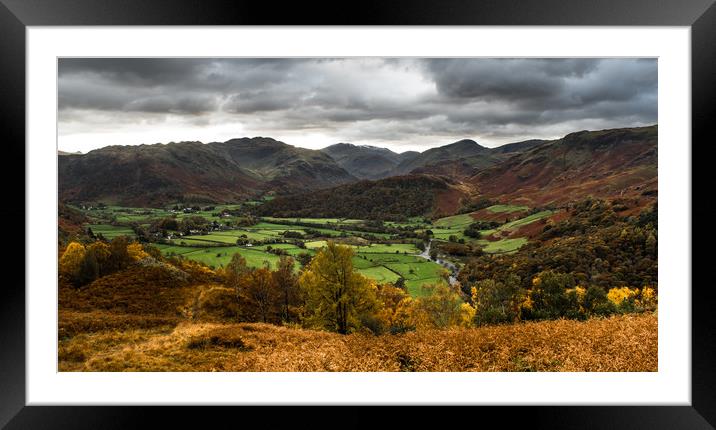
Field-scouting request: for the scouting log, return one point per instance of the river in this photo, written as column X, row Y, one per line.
column 446, row 264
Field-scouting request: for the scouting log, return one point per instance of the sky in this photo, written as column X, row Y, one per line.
column 397, row 103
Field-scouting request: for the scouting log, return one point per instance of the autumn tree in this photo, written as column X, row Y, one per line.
column 119, row 257
column 336, row 296
column 136, row 252
column 89, row 268
column 440, row 306
column 258, row 296
column 72, row 259
column 101, row 253
column 286, row 283
column 234, row 271
column 394, row 312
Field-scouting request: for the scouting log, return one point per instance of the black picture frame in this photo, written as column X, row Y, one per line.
column 16, row 15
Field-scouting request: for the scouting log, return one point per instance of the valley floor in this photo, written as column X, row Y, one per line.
column 94, row 341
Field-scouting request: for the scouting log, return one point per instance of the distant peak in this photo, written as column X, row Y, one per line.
column 465, row 142
column 254, row 140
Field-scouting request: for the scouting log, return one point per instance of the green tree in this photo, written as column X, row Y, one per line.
column 337, row 297
column 497, row 302
column 549, row 293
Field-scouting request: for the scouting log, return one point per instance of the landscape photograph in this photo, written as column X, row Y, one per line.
column 357, row 214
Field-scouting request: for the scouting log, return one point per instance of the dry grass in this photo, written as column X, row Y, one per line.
column 620, row 343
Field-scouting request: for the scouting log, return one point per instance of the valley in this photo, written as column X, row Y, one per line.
column 224, row 256
column 384, row 251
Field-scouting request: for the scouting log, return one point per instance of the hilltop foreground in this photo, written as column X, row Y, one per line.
column 626, row 343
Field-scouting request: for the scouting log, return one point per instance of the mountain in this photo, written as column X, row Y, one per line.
column 465, row 158
column 518, row 147
column 462, row 150
column 194, row 172
column 367, row 162
column 616, row 163
column 607, row 163
column 394, row 198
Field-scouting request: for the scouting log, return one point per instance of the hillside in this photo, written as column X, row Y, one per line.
column 392, row 198
column 459, row 150
column 608, row 164
column 622, row 344
column 194, row 172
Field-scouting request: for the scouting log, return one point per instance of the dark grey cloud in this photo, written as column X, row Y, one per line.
column 397, row 100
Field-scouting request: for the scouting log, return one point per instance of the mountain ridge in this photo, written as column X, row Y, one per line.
column 241, row 168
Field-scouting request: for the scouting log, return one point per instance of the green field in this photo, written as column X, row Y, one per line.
column 507, row 208
column 111, row 231
column 455, row 226
column 220, row 257
column 379, row 261
column 408, row 248
column 526, row 220
column 318, row 221
column 504, row 245
column 456, row 221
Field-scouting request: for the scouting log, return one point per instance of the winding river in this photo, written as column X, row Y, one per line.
column 446, row 264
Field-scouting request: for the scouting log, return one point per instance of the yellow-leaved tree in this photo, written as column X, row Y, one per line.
column 72, row 259
column 136, row 251
column 337, row 298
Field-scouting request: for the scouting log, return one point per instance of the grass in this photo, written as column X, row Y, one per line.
column 219, row 257
column 507, row 208
column 111, row 231
column 380, row 274
column 318, row 221
column 504, row 245
column 456, row 221
column 388, row 248
column 627, row 343
column 455, row 225
column 526, row 220
column 316, row 244
column 415, row 270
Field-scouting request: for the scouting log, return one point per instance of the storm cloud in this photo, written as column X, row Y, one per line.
column 400, row 103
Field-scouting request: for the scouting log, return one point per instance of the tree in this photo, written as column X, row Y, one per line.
column 434, row 254
column 336, row 296
column 72, row 259
column 440, row 306
column 286, row 283
column 258, row 296
column 549, row 293
column 119, row 257
column 136, row 251
column 400, row 284
column 394, row 303
column 89, row 268
column 304, row 258
column 234, row 270
column 102, row 254
column 496, row 302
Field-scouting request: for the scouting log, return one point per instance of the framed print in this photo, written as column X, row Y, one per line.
column 401, row 205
